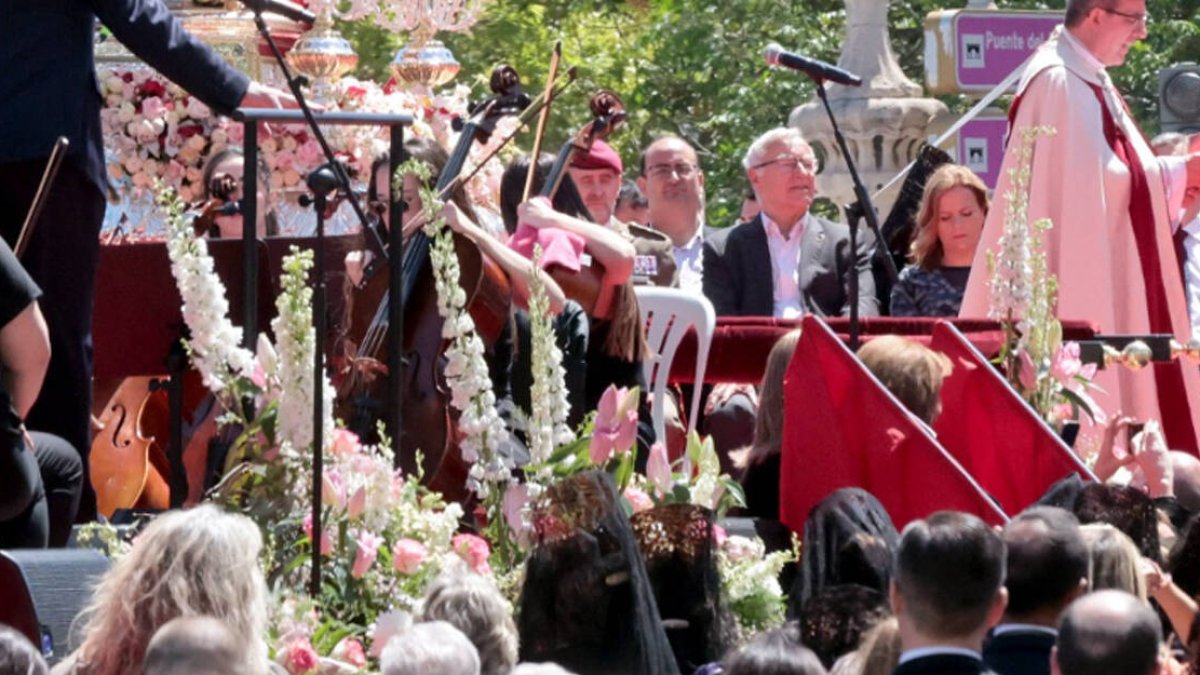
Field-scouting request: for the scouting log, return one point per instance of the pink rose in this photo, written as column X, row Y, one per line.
column 350, row 651
column 366, row 550
column 473, row 550
column 407, row 555
column 152, row 107
column 308, row 154
column 301, row 658
column 326, row 540
column 615, row 429
column 658, row 469
column 638, row 499
column 345, row 442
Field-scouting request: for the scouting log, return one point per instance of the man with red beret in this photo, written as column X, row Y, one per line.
column 597, row 175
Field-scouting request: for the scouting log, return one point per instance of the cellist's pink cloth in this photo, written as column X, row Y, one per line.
column 1110, row 270
column 559, row 247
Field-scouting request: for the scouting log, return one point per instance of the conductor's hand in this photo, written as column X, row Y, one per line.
column 259, row 95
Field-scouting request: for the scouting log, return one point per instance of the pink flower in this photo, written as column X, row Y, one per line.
column 366, row 550
column 301, row 658
column 1067, row 367
column 308, row 154
column 350, row 651
column 333, row 488
column 407, row 555
column 152, row 107
column 473, row 550
column 357, row 503
column 345, row 443
column 638, row 499
column 658, row 469
column 326, row 540
column 616, row 424
column 1027, row 372
column 719, row 535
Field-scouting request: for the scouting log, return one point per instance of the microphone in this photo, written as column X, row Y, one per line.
column 283, row 8
column 818, row 70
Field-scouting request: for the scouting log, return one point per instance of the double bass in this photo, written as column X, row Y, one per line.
column 430, row 430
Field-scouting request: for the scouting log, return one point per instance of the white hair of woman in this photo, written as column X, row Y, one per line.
column 431, row 648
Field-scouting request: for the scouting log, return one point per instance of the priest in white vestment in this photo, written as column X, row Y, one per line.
column 1111, row 202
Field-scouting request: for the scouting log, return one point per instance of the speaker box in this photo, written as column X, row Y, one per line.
column 41, row 593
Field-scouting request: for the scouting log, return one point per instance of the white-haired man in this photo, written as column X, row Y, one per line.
column 786, row 262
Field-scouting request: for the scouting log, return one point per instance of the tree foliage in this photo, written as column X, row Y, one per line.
column 694, row 67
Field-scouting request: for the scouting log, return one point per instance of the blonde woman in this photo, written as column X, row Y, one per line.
column 949, row 224
column 911, row 371
column 199, row 562
column 1114, row 560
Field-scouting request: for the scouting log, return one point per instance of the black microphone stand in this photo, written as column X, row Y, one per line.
column 323, row 181
column 861, row 208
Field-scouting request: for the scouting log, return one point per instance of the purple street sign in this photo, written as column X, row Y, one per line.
column 981, row 147
column 991, row 45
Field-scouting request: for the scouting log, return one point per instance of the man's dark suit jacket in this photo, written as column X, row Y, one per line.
column 48, row 82
column 739, row 278
column 1019, row 653
column 943, row 664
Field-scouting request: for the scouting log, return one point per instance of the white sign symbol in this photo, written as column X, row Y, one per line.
column 976, row 150
column 972, row 51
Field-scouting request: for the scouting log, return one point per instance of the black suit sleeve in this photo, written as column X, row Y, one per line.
column 868, row 303
column 720, row 282
column 149, row 30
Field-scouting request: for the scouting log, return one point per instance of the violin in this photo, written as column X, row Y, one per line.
column 362, row 395
column 608, row 113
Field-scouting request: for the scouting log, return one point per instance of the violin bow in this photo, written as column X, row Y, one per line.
column 542, row 118
column 43, row 192
column 560, row 85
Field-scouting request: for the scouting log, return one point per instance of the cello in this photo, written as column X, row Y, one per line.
column 362, row 391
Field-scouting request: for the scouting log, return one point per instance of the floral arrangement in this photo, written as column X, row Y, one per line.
column 1046, row 371
column 158, row 132
column 384, row 536
column 750, row 583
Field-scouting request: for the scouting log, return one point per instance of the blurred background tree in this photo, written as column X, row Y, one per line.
column 694, row 67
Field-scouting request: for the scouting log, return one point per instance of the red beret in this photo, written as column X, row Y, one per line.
column 602, row 156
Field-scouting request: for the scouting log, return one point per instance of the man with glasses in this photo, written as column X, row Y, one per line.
column 673, row 183
column 1111, row 202
column 786, row 262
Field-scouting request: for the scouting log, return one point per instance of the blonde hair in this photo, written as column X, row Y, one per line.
column 1113, row 560
column 198, row 562
column 926, row 250
column 879, row 651
column 911, row 371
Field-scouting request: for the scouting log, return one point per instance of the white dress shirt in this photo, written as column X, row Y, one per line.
column 785, row 266
column 689, row 261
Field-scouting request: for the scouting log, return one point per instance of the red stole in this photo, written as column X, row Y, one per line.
column 1168, row 377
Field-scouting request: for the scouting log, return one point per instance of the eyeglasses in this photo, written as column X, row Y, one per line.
column 1143, row 19
column 681, row 169
column 790, row 162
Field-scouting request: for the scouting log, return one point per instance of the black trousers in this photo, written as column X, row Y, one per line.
column 62, row 256
column 39, row 491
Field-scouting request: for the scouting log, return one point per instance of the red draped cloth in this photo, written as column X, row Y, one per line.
column 843, row 429
column 993, row 433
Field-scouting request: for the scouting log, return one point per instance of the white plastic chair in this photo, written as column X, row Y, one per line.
column 667, row 314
